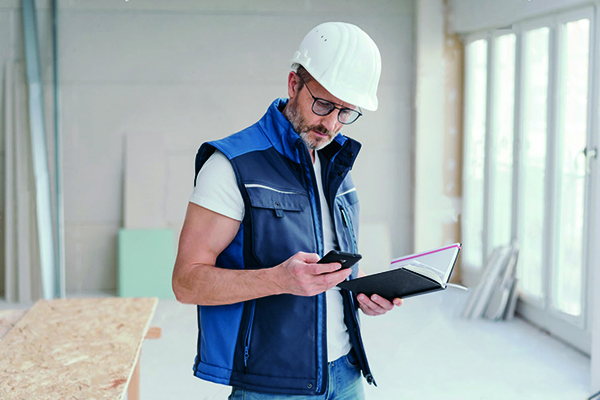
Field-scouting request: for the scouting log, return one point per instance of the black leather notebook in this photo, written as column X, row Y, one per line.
column 410, row 275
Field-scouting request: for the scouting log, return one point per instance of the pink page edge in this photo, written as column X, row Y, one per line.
column 424, row 254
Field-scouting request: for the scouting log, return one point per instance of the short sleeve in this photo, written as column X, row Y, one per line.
column 216, row 188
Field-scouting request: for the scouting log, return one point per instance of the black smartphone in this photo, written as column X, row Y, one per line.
column 345, row 259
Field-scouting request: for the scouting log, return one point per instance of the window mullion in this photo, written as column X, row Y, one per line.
column 592, row 224
column 488, row 197
column 518, row 136
column 549, row 240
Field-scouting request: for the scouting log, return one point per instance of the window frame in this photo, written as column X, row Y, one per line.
column 521, row 30
column 574, row 329
column 471, row 38
column 491, row 137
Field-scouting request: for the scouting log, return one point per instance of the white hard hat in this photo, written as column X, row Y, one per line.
column 344, row 60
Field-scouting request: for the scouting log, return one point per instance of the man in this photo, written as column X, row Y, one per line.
column 268, row 202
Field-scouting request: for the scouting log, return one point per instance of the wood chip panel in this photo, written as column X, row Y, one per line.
column 74, row 349
column 8, row 319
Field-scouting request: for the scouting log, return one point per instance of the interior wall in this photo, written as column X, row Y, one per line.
column 438, row 130
column 196, row 71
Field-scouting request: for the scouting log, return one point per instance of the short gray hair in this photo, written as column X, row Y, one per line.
column 304, row 74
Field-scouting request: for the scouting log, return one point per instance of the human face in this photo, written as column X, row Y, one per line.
column 324, row 107
column 317, row 131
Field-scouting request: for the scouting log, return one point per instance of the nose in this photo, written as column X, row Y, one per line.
column 331, row 121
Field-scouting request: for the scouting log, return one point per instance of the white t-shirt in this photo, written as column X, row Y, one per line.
column 224, row 197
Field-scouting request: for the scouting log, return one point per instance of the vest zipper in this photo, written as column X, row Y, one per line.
column 248, row 336
column 307, row 164
column 348, row 224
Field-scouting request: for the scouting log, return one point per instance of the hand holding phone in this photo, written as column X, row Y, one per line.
column 346, row 260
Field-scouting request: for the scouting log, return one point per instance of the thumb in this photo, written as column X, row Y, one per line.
column 310, row 258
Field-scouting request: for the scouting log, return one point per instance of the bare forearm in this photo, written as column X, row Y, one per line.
column 301, row 275
column 196, row 279
column 210, row 285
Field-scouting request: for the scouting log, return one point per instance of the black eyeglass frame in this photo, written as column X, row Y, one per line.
column 333, row 105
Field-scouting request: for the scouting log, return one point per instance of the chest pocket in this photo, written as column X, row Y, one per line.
column 281, row 223
column 346, row 216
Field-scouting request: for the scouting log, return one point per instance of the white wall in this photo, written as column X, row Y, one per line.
column 430, row 202
column 195, row 71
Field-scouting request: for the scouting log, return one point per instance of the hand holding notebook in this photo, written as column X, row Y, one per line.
column 409, row 275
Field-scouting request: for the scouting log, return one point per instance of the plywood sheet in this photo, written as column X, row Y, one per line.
column 74, row 348
column 8, row 319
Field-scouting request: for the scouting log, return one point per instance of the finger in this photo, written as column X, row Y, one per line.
column 325, row 282
column 367, row 311
column 318, row 269
column 382, row 302
column 339, row 276
column 333, row 278
column 397, row 302
column 309, row 258
column 368, row 306
column 377, row 305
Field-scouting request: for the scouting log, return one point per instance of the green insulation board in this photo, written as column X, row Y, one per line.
column 146, row 259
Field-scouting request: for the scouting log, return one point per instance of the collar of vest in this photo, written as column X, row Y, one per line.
column 285, row 140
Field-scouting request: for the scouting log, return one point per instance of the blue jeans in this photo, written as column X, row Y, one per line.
column 344, row 383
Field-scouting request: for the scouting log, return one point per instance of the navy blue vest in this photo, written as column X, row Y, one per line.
column 277, row 344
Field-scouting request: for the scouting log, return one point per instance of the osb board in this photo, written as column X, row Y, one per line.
column 74, row 348
column 8, row 319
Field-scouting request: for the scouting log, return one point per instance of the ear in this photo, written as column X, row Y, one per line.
column 293, row 82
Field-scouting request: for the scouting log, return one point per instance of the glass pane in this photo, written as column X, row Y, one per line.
column 475, row 110
column 502, row 146
column 568, row 272
column 535, row 102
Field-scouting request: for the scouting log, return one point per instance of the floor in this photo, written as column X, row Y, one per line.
column 420, row 351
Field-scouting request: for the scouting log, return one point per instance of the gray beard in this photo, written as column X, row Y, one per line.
column 302, row 128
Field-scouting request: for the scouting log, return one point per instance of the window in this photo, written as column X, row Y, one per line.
column 567, row 288
column 473, row 158
column 525, row 172
column 502, row 132
column 533, row 174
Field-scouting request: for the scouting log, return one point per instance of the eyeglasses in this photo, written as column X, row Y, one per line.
column 322, row 107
